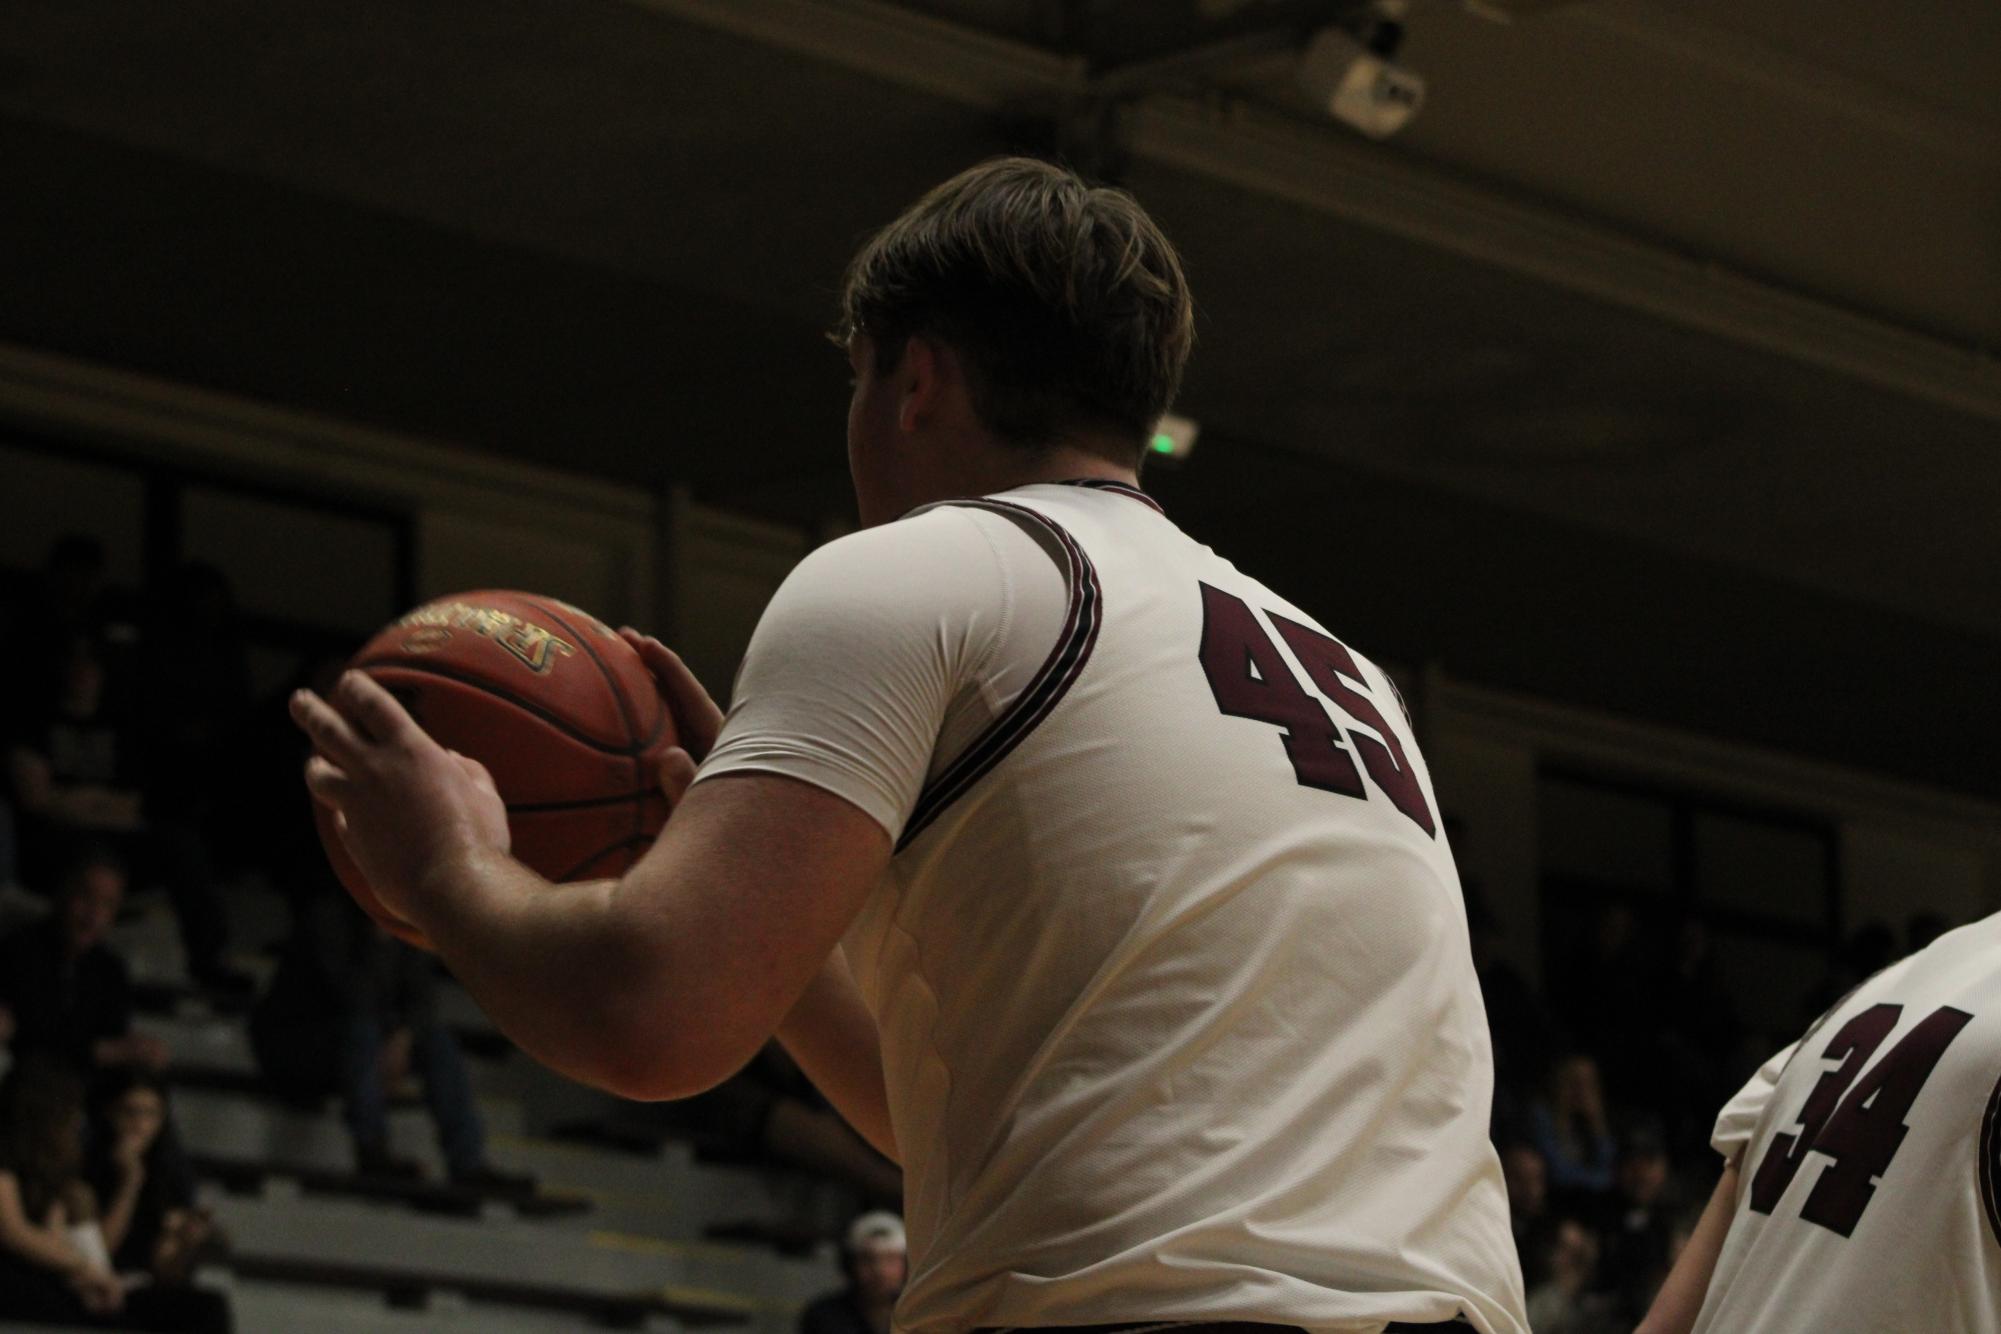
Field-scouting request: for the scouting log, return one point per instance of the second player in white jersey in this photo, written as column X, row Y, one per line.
column 1221, row 1057
column 1865, row 1154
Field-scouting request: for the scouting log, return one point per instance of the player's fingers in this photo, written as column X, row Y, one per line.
column 677, row 771
column 695, row 715
column 331, row 734
column 373, row 710
column 328, row 784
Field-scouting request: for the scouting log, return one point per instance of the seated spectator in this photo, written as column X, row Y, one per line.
column 67, row 597
column 1527, row 1178
column 1636, row 1226
column 1696, row 1064
column 62, row 990
column 1571, row 1129
column 53, row 1267
column 1564, row 1303
column 144, row 1183
column 874, row 1260
column 1516, row 1020
column 74, row 775
column 55, row 1262
column 1598, row 994
column 10, row 865
column 193, row 685
column 350, row 1013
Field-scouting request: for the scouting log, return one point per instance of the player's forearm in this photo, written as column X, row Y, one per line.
column 545, row 962
column 1680, row 1298
column 831, row 1037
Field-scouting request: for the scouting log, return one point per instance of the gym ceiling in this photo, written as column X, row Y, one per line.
column 1704, row 291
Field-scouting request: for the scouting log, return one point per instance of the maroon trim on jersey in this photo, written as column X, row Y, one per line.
column 1059, row 671
column 1990, row 1161
column 1107, row 484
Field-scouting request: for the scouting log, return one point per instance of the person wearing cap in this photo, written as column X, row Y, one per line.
column 873, row 1257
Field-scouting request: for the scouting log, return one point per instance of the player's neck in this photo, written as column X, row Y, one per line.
column 1004, row 469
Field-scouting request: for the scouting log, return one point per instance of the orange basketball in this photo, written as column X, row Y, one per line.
column 558, row 708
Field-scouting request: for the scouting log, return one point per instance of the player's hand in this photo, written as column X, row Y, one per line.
column 406, row 806
column 696, row 717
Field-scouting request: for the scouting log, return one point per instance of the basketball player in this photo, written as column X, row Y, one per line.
column 1859, row 1189
column 1091, row 879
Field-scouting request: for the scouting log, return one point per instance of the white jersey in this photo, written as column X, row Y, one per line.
column 1177, row 1011
column 1866, row 1196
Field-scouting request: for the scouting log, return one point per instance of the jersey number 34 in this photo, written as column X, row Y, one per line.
column 1856, row 1119
column 1249, row 678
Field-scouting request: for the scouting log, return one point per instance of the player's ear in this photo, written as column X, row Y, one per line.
column 921, row 375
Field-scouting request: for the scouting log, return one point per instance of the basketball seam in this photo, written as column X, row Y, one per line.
column 523, row 702
column 624, row 709
column 617, row 689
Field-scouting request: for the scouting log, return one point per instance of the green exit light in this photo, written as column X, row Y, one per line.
column 1163, row 443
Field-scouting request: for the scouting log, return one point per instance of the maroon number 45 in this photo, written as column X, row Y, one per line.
column 1249, row 678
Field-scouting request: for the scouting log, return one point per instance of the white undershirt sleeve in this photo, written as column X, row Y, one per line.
column 882, row 643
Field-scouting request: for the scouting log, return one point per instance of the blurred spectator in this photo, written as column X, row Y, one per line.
column 1564, row 1302
column 73, row 765
column 1570, row 1127
column 67, row 598
column 1599, row 996
column 62, row 989
column 874, row 1260
column 1527, row 1178
column 55, row 1263
column 74, row 770
column 1636, row 1227
column 1698, row 1038
column 144, row 1184
column 1516, row 1019
column 53, row 1266
column 195, row 688
column 352, row 1013
column 10, row 865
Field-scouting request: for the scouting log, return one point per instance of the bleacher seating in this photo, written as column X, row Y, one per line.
column 611, row 1237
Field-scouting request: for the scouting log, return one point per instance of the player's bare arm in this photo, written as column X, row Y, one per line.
column 828, row 1032
column 831, row 1035
column 657, row 985
column 1680, row 1298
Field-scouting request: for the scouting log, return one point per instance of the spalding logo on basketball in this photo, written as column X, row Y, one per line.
column 558, row 708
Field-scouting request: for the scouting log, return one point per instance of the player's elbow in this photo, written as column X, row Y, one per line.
column 648, row 1064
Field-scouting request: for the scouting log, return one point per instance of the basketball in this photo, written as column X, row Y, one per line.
column 558, row 708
